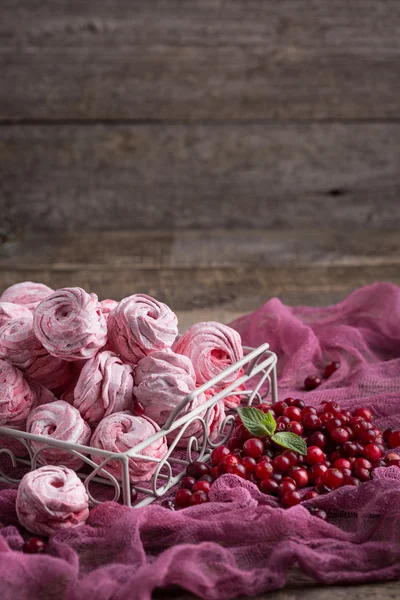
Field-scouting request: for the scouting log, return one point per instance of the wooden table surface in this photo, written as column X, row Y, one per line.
column 217, row 275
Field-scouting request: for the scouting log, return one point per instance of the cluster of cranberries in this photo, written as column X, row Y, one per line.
column 343, row 448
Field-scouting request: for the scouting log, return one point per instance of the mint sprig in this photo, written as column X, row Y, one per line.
column 262, row 424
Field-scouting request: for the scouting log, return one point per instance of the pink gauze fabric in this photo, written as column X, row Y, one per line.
column 242, row 543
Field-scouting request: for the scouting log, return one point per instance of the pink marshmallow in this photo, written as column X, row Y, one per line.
column 105, row 386
column 20, row 346
column 162, row 380
column 58, row 421
column 120, row 432
column 10, row 311
column 70, row 324
column 50, row 499
column 212, row 347
column 17, row 398
column 139, row 325
column 107, row 306
column 27, row 293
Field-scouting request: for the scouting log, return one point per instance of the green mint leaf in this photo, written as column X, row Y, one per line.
column 291, row 441
column 269, row 422
column 257, row 422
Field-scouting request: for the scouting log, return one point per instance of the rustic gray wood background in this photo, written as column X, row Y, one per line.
column 212, row 153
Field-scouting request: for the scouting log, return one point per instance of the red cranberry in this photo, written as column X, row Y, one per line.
column 321, row 514
column 332, row 407
column 264, row 469
column 331, row 368
column 350, row 432
column 360, row 426
column 325, row 417
column 290, row 480
column 197, row 469
column 312, row 382
column 354, row 420
column 394, row 439
column 284, row 420
column 333, row 424
column 333, row 478
column 241, row 433
column 286, row 486
column 281, row 464
column 198, row 498
column 335, row 456
column 295, row 427
column 316, row 471
column 342, row 463
column 269, row 486
column 368, row 436
column 289, row 401
column 364, row 413
column 308, row 409
column 34, row 546
column 208, row 478
column 292, row 457
column 372, row 452
column 265, row 407
column 299, row 475
column 290, row 499
column 170, row 504
column 187, row 483
column 249, row 464
column 138, row 409
column 182, row 498
column 351, row 481
column 362, row 463
column 317, row 439
column 226, row 462
column 237, row 470
column 349, row 449
column 298, row 403
column 253, row 447
column 214, row 473
column 393, row 463
column 280, row 407
column 339, row 436
column 386, row 434
column 362, row 474
column 293, row 413
column 201, row 486
column 310, row 495
column 277, row 477
column 314, row 455
column 346, row 472
column 310, row 421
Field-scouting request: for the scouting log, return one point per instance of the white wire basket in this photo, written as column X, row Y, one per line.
column 256, row 371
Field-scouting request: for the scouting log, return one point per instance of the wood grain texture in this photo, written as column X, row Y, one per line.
column 199, row 59
column 227, row 273
column 59, row 177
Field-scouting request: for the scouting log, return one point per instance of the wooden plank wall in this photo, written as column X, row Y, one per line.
column 132, row 114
